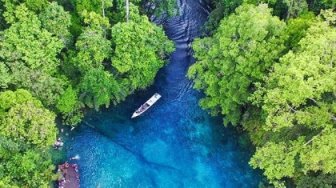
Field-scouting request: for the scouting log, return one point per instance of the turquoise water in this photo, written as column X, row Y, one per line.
column 175, row 143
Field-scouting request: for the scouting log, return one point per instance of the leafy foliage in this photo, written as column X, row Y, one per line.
column 31, row 169
column 315, row 159
column 98, row 87
column 296, row 7
column 139, row 49
column 96, row 6
column 243, row 49
column 162, row 7
column 284, row 9
column 297, row 28
column 280, row 86
column 299, row 96
column 93, row 48
column 5, row 77
column 59, row 57
column 271, row 158
column 30, row 53
column 25, row 119
column 299, row 83
column 57, row 21
column 68, row 101
column 27, row 129
column 317, row 180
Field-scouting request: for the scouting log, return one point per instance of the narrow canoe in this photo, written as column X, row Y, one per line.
column 143, row 108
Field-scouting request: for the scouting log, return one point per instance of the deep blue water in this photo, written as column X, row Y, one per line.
column 175, row 143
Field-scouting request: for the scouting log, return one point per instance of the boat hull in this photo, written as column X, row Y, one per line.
column 148, row 104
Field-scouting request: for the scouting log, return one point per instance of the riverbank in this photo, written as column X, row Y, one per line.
column 175, row 143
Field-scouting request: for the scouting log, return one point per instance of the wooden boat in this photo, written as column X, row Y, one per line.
column 143, row 108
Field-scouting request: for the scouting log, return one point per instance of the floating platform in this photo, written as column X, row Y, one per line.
column 69, row 176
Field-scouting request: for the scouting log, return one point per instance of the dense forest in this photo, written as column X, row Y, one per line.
column 266, row 66
column 270, row 70
column 58, row 59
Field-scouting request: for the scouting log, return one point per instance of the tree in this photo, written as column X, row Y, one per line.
column 26, row 119
column 284, row 9
column 296, row 7
column 27, row 130
column 140, row 48
column 30, row 169
column 92, row 45
column 162, row 7
column 9, row 7
column 99, row 87
column 277, row 160
column 301, row 84
column 30, row 53
column 297, row 29
column 47, row 72
column 57, row 21
column 5, row 77
column 298, row 97
column 319, row 156
column 240, row 53
column 69, row 106
column 2, row 19
column 97, row 6
column 319, row 180
column 41, row 44
column 10, row 99
column 316, row 6
column 35, row 5
column 67, row 101
column 96, row 86
column 221, row 9
column 23, row 167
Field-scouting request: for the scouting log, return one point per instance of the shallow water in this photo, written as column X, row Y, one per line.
column 175, row 143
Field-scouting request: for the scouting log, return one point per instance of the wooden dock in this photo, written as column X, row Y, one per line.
column 69, row 176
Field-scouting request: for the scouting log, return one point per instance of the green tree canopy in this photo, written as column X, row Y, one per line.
column 60, row 58
column 297, row 29
column 97, row 6
column 92, row 45
column 5, row 77
column 96, row 86
column 27, row 130
column 22, row 167
column 31, row 169
column 25, row 119
column 99, row 87
column 41, row 48
column 69, row 105
column 30, row 54
column 240, row 53
column 57, row 21
column 303, row 83
column 140, row 48
column 68, row 101
column 299, row 99
column 278, row 160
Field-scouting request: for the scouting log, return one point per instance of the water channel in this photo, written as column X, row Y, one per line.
column 175, row 143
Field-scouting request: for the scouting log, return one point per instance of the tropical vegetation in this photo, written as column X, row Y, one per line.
column 58, row 59
column 269, row 68
column 266, row 66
